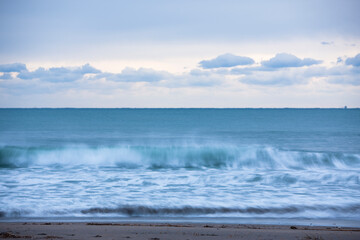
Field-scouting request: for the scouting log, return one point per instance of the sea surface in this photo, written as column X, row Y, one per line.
column 180, row 163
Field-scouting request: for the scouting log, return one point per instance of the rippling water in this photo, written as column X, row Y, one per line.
column 277, row 163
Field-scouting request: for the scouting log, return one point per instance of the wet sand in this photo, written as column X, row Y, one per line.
column 67, row 230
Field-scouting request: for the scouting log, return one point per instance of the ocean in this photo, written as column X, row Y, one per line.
column 123, row 164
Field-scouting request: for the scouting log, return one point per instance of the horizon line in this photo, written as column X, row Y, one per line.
column 345, row 108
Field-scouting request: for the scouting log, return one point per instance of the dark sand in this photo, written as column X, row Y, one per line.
column 164, row 231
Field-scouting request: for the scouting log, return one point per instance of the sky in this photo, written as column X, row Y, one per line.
column 143, row 54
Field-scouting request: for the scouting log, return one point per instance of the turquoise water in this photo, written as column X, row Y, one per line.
column 188, row 163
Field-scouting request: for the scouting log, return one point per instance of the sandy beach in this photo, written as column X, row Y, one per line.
column 67, row 230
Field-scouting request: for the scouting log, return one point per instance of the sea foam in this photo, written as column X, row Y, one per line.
column 188, row 156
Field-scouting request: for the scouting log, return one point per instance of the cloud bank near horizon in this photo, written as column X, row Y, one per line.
column 282, row 69
column 283, row 76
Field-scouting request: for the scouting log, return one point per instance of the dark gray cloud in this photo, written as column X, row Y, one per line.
column 283, row 60
column 12, row 67
column 354, row 61
column 226, row 60
column 58, row 74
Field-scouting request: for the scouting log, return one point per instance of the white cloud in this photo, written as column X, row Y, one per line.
column 283, row 60
column 355, row 61
column 58, row 74
column 12, row 67
column 6, row 75
column 133, row 75
column 137, row 83
column 275, row 78
column 327, row 43
column 226, row 60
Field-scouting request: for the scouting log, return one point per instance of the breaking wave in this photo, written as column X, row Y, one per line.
column 352, row 210
column 189, row 156
column 130, row 210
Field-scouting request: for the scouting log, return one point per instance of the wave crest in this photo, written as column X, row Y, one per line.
column 130, row 210
column 154, row 157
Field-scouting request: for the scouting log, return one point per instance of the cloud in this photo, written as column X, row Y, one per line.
column 197, row 78
column 343, row 75
column 226, row 60
column 355, row 61
column 286, row 69
column 337, row 74
column 276, row 78
column 327, row 43
column 344, row 80
column 13, row 67
column 133, row 75
column 6, row 76
column 250, row 70
column 86, row 69
column 88, row 78
column 58, row 74
column 71, row 74
column 283, row 60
